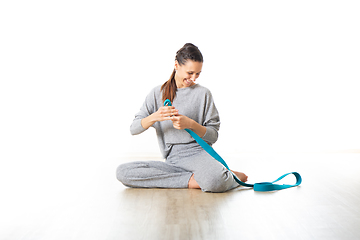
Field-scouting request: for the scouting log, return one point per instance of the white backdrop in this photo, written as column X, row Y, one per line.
column 284, row 74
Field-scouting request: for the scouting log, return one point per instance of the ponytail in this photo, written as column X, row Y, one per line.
column 169, row 88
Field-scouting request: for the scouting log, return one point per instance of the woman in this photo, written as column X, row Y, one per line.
column 187, row 164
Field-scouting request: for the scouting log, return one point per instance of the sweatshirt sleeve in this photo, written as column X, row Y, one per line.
column 146, row 110
column 211, row 120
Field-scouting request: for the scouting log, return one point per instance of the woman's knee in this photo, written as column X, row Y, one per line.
column 220, row 182
column 121, row 172
column 129, row 173
column 215, row 186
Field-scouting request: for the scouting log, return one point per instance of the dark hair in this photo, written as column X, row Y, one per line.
column 188, row 52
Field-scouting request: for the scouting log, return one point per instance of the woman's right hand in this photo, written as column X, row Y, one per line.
column 162, row 114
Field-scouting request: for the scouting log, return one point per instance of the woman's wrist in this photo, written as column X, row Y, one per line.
column 197, row 128
column 148, row 121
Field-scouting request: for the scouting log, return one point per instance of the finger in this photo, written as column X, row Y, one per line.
column 167, row 109
column 175, row 118
column 166, row 115
column 173, row 112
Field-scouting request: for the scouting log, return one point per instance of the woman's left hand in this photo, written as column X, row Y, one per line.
column 181, row 122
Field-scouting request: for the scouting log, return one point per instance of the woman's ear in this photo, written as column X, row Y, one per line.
column 176, row 65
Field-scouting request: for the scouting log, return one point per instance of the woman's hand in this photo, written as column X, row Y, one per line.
column 162, row 114
column 181, row 122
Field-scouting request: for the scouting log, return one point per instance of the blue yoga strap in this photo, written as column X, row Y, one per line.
column 260, row 187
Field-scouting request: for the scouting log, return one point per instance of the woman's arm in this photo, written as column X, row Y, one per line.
column 198, row 129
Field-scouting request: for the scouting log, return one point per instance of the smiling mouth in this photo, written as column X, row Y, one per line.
column 188, row 81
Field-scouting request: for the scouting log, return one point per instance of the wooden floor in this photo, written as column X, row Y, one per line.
column 88, row 203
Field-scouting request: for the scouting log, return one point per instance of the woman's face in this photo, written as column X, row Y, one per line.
column 187, row 73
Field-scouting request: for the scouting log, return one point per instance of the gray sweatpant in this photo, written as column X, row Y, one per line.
column 175, row 172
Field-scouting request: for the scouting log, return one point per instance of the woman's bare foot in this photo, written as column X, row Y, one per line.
column 242, row 176
column 193, row 183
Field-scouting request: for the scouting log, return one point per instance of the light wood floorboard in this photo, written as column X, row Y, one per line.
column 89, row 203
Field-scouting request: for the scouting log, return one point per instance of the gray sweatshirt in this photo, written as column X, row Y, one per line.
column 195, row 102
